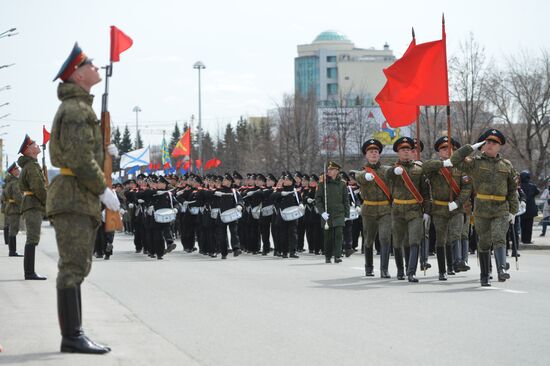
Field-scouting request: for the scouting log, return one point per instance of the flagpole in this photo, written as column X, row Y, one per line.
column 449, row 136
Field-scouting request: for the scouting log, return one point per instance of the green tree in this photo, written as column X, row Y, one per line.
column 126, row 142
column 139, row 141
column 176, row 136
column 116, row 139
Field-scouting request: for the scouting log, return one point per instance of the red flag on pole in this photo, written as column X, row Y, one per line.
column 187, row 165
column 198, row 163
column 216, row 163
column 46, row 135
column 120, row 42
column 183, row 147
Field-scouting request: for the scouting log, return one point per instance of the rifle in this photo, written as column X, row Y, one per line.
column 514, row 243
column 113, row 221
column 325, row 181
column 44, row 167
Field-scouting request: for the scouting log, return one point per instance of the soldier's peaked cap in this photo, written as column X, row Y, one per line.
column 403, row 142
column 444, row 141
column 372, row 144
column 271, row 177
column 27, row 141
column 333, row 165
column 493, row 135
column 12, row 167
column 76, row 59
column 260, row 177
column 236, row 175
column 228, row 176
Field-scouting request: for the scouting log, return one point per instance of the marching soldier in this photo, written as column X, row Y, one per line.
column 411, row 202
column 33, row 187
column 75, row 196
column 335, row 212
column 312, row 218
column 286, row 198
column 13, row 198
column 376, row 210
column 450, row 190
column 496, row 202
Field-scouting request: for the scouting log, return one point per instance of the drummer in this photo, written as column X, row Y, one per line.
column 229, row 199
column 163, row 200
column 288, row 198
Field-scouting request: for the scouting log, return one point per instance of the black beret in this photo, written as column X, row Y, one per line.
column 371, row 144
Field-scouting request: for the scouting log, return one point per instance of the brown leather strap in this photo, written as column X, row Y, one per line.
column 411, row 187
column 446, row 172
column 380, row 183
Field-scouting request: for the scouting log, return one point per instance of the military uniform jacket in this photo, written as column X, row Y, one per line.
column 76, row 143
column 227, row 199
column 32, row 180
column 370, row 191
column 492, row 178
column 13, row 196
column 337, row 201
column 286, row 199
column 441, row 190
column 399, row 191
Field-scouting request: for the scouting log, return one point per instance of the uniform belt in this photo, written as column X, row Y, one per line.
column 11, row 201
column 376, row 203
column 441, row 203
column 405, row 202
column 491, row 197
column 28, row 193
column 66, row 171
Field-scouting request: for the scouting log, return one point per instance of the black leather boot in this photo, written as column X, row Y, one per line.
column 502, row 265
column 440, row 252
column 413, row 261
column 12, row 245
column 6, row 235
column 398, row 255
column 28, row 263
column 484, row 262
column 369, row 267
column 449, row 255
column 384, row 260
column 70, row 321
column 407, row 251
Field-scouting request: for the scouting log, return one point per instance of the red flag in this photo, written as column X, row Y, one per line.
column 150, row 166
column 397, row 114
column 178, row 164
column 420, row 76
column 216, row 163
column 187, row 165
column 183, row 147
column 120, row 42
column 198, row 163
column 46, row 135
column 166, row 165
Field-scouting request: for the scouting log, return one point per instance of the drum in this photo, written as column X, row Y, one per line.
column 214, row 213
column 194, row 210
column 268, row 210
column 256, row 211
column 353, row 214
column 230, row 215
column 165, row 215
column 292, row 213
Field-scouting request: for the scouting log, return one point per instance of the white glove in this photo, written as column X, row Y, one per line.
column 310, row 200
column 447, row 163
column 110, row 199
column 418, row 162
column 218, row 194
column 151, row 210
column 112, row 150
column 369, row 176
column 477, row 145
column 522, row 206
column 452, row 206
column 301, row 205
column 239, row 208
column 358, row 209
column 286, row 193
column 325, row 216
column 511, row 217
column 179, row 193
column 131, row 205
column 398, row 170
column 102, row 215
column 175, row 210
column 140, row 200
column 122, row 211
column 426, row 218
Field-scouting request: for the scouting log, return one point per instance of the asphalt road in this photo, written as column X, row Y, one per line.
column 252, row 310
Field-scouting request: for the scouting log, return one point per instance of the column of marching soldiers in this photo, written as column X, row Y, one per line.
column 407, row 210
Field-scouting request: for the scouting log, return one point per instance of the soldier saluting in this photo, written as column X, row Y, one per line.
column 75, row 196
column 496, row 202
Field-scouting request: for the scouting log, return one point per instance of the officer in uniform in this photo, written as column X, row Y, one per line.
column 13, row 198
column 494, row 180
column 336, row 210
column 75, row 196
column 450, row 190
column 410, row 208
column 376, row 209
column 33, row 187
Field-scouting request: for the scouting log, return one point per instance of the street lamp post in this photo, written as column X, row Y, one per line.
column 7, row 103
column 137, row 110
column 5, row 115
column 8, row 33
column 4, row 66
column 7, row 87
column 199, row 65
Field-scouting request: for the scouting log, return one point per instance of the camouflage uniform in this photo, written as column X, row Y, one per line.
column 448, row 224
column 376, row 216
column 407, row 214
column 13, row 210
column 76, row 146
column 4, row 203
column 495, row 184
column 338, row 208
column 33, row 187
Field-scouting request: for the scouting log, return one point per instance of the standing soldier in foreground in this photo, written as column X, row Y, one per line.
column 334, row 212
column 376, row 210
column 496, row 203
column 33, row 187
column 75, row 196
